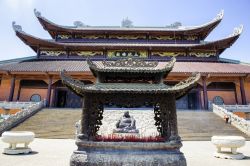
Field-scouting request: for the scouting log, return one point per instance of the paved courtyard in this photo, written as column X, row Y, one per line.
column 57, row 152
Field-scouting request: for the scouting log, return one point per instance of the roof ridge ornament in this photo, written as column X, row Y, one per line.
column 130, row 62
column 37, row 13
column 219, row 15
column 79, row 24
column 16, row 27
column 237, row 31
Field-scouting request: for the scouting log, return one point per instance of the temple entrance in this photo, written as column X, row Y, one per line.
column 188, row 102
column 61, row 98
column 67, row 99
column 192, row 101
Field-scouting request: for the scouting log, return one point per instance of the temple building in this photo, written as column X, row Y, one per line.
column 36, row 78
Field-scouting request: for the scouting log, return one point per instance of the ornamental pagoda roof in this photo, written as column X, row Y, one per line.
column 37, row 43
column 80, row 88
column 131, row 69
column 131, row 66
column 202, row 30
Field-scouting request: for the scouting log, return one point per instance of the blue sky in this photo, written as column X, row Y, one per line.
column 111, row 12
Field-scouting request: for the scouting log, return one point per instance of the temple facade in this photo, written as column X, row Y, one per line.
column 36, row 78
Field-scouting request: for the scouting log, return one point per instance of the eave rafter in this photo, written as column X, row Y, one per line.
column 36, row 43
column 202, row 30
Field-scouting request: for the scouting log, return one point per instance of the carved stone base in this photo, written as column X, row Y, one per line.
column 127, row 153
column 228, row 155
column 17, row 151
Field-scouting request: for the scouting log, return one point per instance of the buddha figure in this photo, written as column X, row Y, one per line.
column 126, row 124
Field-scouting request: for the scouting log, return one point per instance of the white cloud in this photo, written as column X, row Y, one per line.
column 16, row 4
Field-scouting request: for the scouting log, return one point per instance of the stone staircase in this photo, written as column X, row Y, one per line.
column 60, row 123
column 52, row 123
column 201, row 125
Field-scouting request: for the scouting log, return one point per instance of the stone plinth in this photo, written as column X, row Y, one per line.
column 231, row 142
column 127, row 153
column 17, row 137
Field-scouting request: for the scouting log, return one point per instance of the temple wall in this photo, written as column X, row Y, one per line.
column 26, row 93
column 227, row 96
column 5, row 89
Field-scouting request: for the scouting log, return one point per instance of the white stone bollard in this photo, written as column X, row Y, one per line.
column 232, row 142
column 17, row 137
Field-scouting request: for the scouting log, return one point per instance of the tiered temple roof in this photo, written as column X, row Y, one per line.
column 66, row 50
column 202, row 30
column 114, row 42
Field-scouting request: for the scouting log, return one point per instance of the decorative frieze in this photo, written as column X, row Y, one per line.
column 190, row 37
column 203, row 54
column 127, row 37
column 130, row 63
column 127, row 54
column 165, row 37
column 64, row 36
column 163, row 54
column 53, row 53
column 90, row 36
column 86, row 53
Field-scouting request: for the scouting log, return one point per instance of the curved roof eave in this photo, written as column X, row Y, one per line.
column 35, row 42
column 203, row 30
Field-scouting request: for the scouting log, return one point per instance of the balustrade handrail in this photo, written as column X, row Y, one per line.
column 15, row 105
column 237, row 108
column 26, row 112
column 238, row 122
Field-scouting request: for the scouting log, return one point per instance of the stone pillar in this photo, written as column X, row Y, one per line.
column 242, row 91
column 205, row 98
column 12, row 88
column 168, row 118
column 174, row 136
column 85, row 119
column 49, row 92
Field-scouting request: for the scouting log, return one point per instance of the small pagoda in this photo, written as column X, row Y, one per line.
column 129, row 83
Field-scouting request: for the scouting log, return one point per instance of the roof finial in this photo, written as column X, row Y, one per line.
column 219, row 15
column 37, row 13
column 16, row 27
column 127, row 23
column 79, row 24
column 237, row 31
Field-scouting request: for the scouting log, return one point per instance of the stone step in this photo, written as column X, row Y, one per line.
column 192, row 125
column 201, row 125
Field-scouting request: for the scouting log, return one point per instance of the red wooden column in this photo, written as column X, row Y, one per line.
column 235, row 94
column 242, row 91
column 205, row 98
column 49, row 92
column 12, row 88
